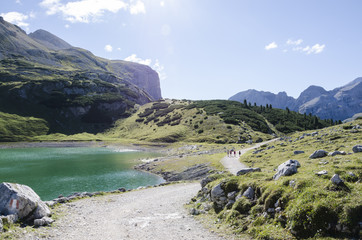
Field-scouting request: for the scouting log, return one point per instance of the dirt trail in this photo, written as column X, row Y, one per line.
column 232, row 163
column 154, row 213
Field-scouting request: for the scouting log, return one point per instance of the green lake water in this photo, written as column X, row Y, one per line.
column 54, row 171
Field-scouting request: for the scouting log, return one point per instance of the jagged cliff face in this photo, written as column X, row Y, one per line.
column 43, row 76
column 338, row 104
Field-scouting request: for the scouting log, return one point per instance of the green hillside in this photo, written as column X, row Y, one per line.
column 17, row 128
column 303, row 205
column 213, row 121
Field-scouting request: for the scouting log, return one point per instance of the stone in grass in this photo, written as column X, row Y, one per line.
column 319, row 154
column 249, row 193
column 357, row 148
column 21, row 201
column 298, row 152
column 320, row 173
column 247, row 170
column 336, row 179
column 43, row 221
column 287, row 168
column 1, row 225
column 337, row 153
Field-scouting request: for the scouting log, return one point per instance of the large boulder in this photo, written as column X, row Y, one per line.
column 287, row 168
column 318, row 154
column 357, row 148
column 22, row 201
column 218, row 196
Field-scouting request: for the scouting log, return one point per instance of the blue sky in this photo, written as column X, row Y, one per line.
column 212, row 49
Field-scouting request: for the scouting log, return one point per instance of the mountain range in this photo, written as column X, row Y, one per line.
column 43, row 76
column 338, row 104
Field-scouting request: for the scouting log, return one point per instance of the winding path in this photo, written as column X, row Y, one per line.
column 153, row 213
column 233, row 165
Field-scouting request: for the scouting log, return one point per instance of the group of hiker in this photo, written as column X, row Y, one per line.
column 233, row 153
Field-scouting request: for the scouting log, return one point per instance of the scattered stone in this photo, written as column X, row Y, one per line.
column 43, row 221
column 194, row 211
column 218, row 196
column 323, row 162
column 336, row 153
column 50, row 203
column 351, row 174
column 232, row 195
column 319, row 154
column 247, row 170
column 249, row 193
column 287, row 168
column 357, row 148
column 1, row 225
column 278, row 209
column 323, row 172
column 292, row 183
column 21, row 201
column 336, row 179
column 122, row 189
column 271, row 210
column 298, row 152
column 205, row 181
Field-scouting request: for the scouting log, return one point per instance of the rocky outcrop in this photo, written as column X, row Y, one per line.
column 72, row 89
column 287, row 168
column 21, row 201
column 318, row 154
column 338, row 104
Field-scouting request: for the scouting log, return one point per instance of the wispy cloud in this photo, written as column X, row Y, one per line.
column 271, row 45
column 86, row 11
column 108, row 48
column 137, row 8
column 315, row 49
column 157, row 66
column 294, row 42
column 17, row 18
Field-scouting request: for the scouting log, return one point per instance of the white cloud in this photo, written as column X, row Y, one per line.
column 157, row 66
column 17, row 18
column 86, row 11
column 108, row 48
column 162, row 3
column 18, row 1
column 317, row 48
column 67, row 26
column 137, row 8
column 119, row 49
column 271, row 46
column 134, row 58
column 296, row 42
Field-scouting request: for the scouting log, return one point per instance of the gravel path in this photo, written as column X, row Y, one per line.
column 232, row 163
column 154, row 213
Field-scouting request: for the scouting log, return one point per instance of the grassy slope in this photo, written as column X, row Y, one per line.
column 17, row 128
column 176, row 121
column 311, row 206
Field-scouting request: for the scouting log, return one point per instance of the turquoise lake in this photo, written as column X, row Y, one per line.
column 54, row 171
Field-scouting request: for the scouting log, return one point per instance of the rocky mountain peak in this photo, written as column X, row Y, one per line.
column 49, row 40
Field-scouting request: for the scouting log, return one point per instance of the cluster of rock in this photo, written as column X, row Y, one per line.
column 20, row 203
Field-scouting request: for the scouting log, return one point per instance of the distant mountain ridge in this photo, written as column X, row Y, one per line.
column 45, row 77
column 338, row 104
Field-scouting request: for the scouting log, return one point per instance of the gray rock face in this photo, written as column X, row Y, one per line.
column 247, row 170
column 22, row 201
column 336, row 179
column 357, row 148
column 336, row 153
column 287, row 168
column 338, row 104
column 318, row 154
column 249, row 193
column 218, row 196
